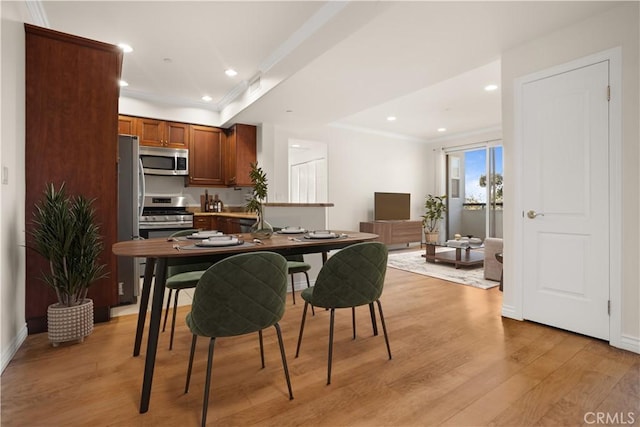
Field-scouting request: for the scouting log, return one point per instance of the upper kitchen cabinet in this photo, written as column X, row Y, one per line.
column 157, row 133
column 206, row 154
column 127, row 125
column 71, row 113
column 240, row 153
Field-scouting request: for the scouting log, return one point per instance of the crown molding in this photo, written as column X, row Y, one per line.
column 465, row 134
column 166, row 100
column 38, row 15
column 372, row 131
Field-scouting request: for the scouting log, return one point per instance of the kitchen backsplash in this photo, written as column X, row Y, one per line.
column 174, row 185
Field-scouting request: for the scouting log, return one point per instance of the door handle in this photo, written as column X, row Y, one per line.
column 533, row 214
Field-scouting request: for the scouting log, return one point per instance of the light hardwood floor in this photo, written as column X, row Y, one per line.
column 456, row 362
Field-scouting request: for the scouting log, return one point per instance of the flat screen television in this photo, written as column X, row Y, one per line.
column 391, row 206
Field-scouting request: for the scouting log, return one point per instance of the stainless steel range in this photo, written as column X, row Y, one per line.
column 164, row 215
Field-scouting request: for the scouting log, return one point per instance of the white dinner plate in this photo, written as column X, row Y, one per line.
column 321, row 236
column 220, row 242
column 204, row 234
column 292, row 230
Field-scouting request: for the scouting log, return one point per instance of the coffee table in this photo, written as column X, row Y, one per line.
column 460, row 257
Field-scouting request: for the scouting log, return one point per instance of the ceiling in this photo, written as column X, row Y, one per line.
column 304, row 63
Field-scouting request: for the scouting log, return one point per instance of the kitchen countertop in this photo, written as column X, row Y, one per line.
column 300, row 205
column 244, row 215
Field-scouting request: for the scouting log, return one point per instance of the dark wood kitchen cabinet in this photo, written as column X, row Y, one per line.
column 71, row 107
column 201, row 222
column 240, row 153
column 206, row 154
column 127, row 125
column 158, row 133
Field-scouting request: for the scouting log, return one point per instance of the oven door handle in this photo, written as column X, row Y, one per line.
column 142, row 184
column 162, row 225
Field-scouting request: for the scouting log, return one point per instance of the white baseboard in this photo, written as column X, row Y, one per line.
column 630, row 343
column 300, row 284
column 16, row 342
column 510, row 312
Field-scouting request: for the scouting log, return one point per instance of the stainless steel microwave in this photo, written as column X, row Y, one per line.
column 164, row 161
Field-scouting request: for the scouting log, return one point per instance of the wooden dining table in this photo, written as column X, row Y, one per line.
column 162, row 252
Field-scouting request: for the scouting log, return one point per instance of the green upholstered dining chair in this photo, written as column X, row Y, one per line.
column 239, row 295
column 181, row 277
column 296, row 264
column 352, row 277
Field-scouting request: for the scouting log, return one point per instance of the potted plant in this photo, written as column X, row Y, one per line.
column 435, row 207
column 261, row 229
column 66, row 235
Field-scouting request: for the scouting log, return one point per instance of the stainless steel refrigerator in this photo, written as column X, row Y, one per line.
column 130, row 204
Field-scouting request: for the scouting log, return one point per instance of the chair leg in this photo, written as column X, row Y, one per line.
column 293, row 290
column 261, row 347
column 304, row 316
column 333, row 315
column 307, row 276
column 374, row 324
column 384, row 328
column 166, row 311
column 313, row 312
column 284, row 360
column 193, row 349
column 353, row 321
column 207, row 384
column 173, row 320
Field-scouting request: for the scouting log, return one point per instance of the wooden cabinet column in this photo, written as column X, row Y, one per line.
column 71, row 136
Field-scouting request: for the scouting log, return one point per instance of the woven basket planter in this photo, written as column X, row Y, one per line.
column 431, row 237
column 69, row 323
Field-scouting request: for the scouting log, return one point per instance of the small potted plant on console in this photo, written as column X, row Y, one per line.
column 435, row 207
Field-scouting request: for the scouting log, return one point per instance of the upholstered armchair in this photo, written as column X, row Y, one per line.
column 492, row 267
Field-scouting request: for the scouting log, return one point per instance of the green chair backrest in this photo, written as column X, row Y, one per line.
column 184, row 267
column 295, row 258
column 240, row 294
column 354, row 276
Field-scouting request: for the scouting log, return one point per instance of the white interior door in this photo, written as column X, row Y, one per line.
column 566, row 200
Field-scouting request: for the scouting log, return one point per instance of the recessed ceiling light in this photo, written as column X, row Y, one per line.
column 125, row 47
column 490, row 88
column 122, row 83
column 442, row 129
column 391, row 118
column 207, row 98
column 295, row 145
column 231, row 72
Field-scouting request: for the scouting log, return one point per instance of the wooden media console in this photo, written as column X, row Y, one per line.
column 394, row 232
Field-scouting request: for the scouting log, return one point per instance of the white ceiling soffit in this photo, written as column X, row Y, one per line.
column 402, row 54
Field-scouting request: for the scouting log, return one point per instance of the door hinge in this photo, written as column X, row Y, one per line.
column 609, row 307
column 608, row 93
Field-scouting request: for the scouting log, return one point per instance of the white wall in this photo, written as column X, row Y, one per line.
column 359, row 164
column 617, row 27
column 13, row 327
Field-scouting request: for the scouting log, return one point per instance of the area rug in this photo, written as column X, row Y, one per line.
column 414, row 262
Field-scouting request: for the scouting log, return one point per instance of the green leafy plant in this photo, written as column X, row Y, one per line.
column 497, row 182
column 435, row 207
column 65, row 234
column 259, row 195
